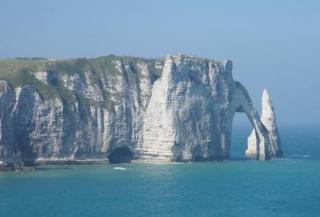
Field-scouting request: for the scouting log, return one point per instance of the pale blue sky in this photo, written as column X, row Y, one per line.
column 274, row 44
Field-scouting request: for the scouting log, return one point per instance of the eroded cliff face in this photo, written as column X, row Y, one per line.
column 178, row 108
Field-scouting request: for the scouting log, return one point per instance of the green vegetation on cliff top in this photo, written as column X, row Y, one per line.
column 19, row 72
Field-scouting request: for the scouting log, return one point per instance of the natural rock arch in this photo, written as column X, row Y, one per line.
column 193, row 102
column 264, row 142
column 241, row 103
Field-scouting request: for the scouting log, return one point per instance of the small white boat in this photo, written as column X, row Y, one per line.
column 119, row 168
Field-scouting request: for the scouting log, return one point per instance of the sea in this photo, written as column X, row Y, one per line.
column 286, row 187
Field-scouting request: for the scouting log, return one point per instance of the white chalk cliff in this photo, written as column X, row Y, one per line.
column 177, row 108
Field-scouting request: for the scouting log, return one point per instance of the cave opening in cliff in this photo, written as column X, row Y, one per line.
column 241, row 129
column 120, row 155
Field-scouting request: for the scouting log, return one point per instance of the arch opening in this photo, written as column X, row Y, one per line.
column 241, row 129
column 120, row 155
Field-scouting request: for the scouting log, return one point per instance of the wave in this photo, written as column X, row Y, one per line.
column 119, row 168
column 283, row 158
column 299, row 156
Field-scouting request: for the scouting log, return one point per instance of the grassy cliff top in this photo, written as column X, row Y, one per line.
column 20, row 71
column 77, row 65
column 13, row 70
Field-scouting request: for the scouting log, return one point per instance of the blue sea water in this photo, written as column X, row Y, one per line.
column 289, row 187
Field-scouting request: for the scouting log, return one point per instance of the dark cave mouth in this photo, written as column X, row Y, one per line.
column 120, row 155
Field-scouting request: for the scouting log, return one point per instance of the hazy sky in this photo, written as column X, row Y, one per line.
column 274, row 44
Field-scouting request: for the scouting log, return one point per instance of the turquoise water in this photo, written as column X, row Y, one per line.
column 289, row 187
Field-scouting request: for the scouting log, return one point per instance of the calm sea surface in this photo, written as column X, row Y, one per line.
column 289, row 187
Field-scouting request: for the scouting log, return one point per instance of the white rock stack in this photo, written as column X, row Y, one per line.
column 268, row 119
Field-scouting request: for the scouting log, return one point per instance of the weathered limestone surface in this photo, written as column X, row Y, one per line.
column 177, row 108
